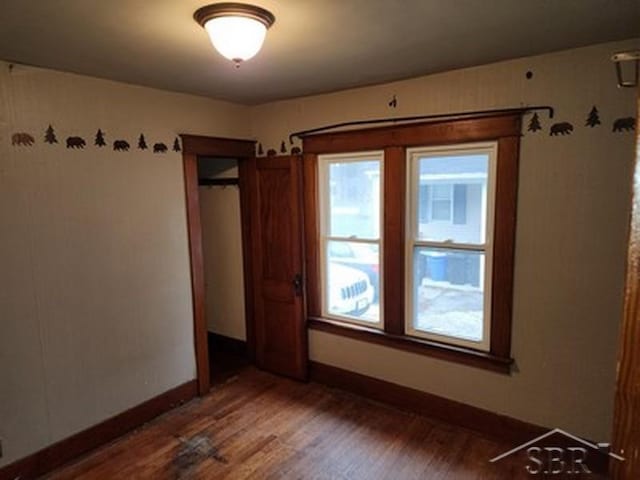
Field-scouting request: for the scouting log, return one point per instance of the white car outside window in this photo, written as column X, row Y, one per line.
column 350, row 291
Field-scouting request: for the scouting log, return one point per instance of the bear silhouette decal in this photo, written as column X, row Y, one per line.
column 75, row 142
column 562, row 128
column 121, row 145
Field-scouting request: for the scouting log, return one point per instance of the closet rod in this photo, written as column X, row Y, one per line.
column 211, row 182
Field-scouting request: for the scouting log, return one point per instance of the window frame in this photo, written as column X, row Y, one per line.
column 505, row 129
column 486, row 247
column 324, row 161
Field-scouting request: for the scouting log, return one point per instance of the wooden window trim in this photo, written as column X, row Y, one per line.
column 415, row 135
column 422, row 346
column 394, row 140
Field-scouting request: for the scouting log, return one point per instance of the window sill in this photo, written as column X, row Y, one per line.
column 465, row 356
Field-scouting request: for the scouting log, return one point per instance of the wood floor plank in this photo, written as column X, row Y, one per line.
column 258, row 426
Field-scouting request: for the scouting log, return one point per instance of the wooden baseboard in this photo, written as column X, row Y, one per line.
column 227, row 344
column 70, row 448
column 490, row 424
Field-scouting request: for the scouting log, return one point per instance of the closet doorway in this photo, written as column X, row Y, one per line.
column 221, row 222
column 215, row 157
column 270, row 204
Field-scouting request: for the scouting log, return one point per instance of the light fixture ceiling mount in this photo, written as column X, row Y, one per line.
column 237, row 30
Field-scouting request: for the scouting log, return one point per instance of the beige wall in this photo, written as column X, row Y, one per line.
column 222, row 248
column 572, row 219
column 95, row 299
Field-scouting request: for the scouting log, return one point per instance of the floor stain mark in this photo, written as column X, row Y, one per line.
column 194, row 450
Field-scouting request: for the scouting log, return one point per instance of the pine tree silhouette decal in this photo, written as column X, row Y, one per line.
column 50, row 136
column 534, row 123
column 100, row 139
column 593, row 119
column 142, row 143
column 176, row 145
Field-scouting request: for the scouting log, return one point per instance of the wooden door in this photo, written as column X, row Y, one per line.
column 276, row 230
column 626, row 423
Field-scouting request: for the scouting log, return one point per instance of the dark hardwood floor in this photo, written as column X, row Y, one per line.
column 257, row 425
column 224, row 364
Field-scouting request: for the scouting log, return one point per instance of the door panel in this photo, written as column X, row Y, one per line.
column 276, row 226
column 275, row 187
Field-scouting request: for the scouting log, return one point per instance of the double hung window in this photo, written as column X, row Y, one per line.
column 410, row 236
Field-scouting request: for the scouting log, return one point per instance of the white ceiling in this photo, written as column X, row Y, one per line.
column 314, row 46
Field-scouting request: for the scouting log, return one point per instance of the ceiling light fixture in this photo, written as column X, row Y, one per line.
column 237, row 30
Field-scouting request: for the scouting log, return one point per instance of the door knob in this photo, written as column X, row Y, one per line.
column 297, row 284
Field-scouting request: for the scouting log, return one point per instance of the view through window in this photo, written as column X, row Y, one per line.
column 351, row 196
column 449, row 243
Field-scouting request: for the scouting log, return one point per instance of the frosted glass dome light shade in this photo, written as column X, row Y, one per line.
column 237, row 38
column 236, row 30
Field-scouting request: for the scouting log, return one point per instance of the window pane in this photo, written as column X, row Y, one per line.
column 353, row 280
column 441, row 210
column 448, row 292
column 354, row 204
column 442, row 192
column 452, row 198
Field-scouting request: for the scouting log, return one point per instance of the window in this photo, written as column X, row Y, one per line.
column 440, row 202
column 449, row 263
column 411, row 243
column 350, row 211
